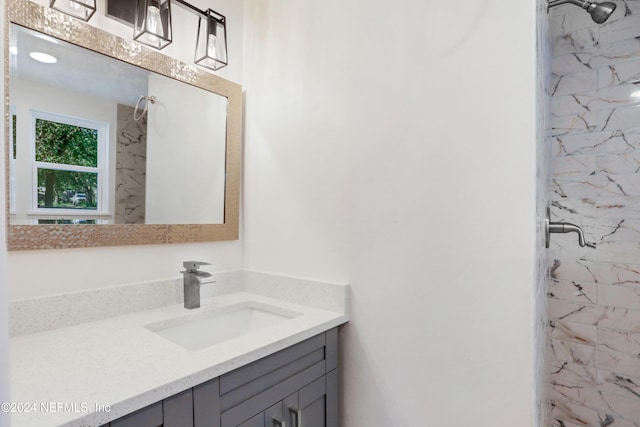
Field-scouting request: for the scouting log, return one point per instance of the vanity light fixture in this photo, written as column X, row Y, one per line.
column 81, row 9
column 151, row 21
column 152, row 25
column 211, row 45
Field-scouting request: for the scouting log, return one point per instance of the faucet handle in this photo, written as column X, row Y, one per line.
column 193, row 266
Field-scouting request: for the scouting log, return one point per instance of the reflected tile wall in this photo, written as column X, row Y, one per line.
column 593, row 365
column 131, row 167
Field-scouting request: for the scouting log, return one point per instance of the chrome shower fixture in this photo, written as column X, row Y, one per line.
column 564, row 227
column 599, row 12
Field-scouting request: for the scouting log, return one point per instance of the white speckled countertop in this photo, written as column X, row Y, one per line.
column 60, row 377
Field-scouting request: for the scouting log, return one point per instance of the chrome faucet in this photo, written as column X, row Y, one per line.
column 565, row 227
column 192, row 281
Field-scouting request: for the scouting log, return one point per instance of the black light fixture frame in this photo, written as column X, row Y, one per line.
column 150, row 37
column 91, row 8
column 124, row 12
column 202, row 58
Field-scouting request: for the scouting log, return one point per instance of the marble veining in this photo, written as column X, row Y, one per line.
column 131, row 167
column 571, row 290
column 617, row 141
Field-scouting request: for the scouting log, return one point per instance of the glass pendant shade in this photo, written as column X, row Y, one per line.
column 152, row 23
column 81, row 9
column 211, row 46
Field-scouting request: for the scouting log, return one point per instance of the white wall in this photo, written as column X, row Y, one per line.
column 55, row 271
column 392, row 146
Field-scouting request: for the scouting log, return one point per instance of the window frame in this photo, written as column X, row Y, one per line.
column 101, row 170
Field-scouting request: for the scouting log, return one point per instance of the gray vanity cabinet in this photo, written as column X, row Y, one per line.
column 305, row 408
column 295, row 387
column 297, row 383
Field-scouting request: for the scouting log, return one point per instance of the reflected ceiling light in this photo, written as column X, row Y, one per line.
column 43, row 57
column 151, row 21
column 13, row 50
column 81, row 9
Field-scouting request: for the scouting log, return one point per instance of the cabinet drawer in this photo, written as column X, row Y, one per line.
column 262, row 367
column 265, row 382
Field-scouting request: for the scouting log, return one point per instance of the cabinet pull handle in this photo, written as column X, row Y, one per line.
column 277, row 422
column 294, row 416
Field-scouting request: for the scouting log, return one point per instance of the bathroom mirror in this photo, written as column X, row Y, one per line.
column 114, row 143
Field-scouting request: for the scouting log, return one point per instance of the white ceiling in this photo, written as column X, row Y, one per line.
column 77, row 69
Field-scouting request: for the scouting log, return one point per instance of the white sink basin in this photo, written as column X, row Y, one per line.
column 213, row 326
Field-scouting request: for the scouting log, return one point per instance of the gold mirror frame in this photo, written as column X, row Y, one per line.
column 50, row 236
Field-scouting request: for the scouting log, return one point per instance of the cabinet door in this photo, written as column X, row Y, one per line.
column 178, row 410
column 312, row 415
column 273, row 416
column 151, row 416
column 257, row 421
column 206, row 404
column 306, row 408
column 331, row 399
column 312, row 404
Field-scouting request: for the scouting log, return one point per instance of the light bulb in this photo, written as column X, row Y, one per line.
column 211, row 46
column 154, row 23
column 74, row 6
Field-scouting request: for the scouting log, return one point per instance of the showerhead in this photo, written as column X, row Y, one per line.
column 599, row 12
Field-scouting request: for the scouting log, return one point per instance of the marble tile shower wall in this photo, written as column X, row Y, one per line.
column 594, row 295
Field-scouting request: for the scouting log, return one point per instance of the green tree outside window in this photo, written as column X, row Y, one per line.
column 69, row 146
